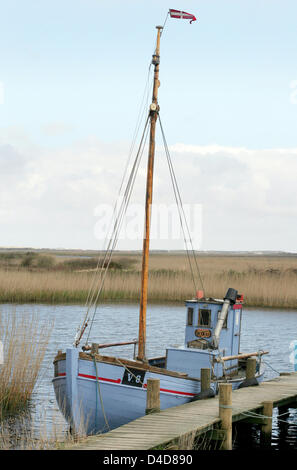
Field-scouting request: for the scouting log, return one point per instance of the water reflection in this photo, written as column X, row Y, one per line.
column 261, row 329
column 284, row 433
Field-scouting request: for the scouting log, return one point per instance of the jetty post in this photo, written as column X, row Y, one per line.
column 251, row 364
column 266, row 427
column 205, row 379
column 153, row 396
column 174, row 422
column 225, row 414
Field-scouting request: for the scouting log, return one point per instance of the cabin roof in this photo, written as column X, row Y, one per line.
column 205, row 301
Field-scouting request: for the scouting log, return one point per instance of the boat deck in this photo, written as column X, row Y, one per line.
column 197, row 417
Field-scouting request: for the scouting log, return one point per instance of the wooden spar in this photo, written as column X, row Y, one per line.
column 241, row 356
column 148, row 203
column 109, row 345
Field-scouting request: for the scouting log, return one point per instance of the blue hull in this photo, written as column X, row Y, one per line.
column 95, row 399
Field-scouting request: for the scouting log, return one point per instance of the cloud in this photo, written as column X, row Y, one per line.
column 48, row 197
column 11, row 161
column 56, row 129
column 261, row 181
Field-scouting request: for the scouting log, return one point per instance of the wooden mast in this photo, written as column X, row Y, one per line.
column 154, row 108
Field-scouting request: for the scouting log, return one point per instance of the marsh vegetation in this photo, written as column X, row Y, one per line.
column 25, row 339
column 51, row 277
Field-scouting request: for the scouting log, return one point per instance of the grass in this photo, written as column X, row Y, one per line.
column 265, row 281
column 24, row 340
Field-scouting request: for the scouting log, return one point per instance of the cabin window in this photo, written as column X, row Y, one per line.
column 204, row 317
column 190, row 316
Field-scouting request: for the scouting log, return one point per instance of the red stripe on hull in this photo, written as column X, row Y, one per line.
column 93, row 377
column 118, row 381
column 115, row 381
column 187, row 394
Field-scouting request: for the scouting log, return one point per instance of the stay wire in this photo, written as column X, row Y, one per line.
column 180, row 205
column 122, row 210
column 180, row 217
column 181, row 223
column 120, row 213
column 165, row 22
column 109, row 250
column 108, row 253
column 138, row 123
column 118, row 225
column 106, row 269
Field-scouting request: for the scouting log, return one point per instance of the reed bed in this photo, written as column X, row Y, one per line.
column 20, row 433
column 264, row 281
column 24, row 340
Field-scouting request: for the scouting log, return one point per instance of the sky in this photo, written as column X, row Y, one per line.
column 72, row 79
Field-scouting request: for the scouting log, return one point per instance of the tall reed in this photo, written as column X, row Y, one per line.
column 25, row 339
column 265, row 281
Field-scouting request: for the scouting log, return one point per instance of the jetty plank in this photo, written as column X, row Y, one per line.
column 197, row 417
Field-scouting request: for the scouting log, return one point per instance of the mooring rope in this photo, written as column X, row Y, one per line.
column 252, row 414
column 100, row 396
column 269, row 365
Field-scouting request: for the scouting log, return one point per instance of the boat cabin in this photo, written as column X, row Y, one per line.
column 212, row 331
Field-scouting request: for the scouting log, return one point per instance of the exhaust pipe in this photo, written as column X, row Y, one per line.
column 229, row 299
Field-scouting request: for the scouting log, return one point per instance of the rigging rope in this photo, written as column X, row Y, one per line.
column 137, row 127
column 121, row 210
column 92, row 296
column 118, row 214
column 117, row 226
column 164, row 23
column 100, row 396
column 181, row 212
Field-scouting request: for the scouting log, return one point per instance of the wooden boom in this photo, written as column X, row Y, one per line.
column 241, row 356
column 109, row 345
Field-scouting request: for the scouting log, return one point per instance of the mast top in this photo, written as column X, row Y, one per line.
column 156, row 55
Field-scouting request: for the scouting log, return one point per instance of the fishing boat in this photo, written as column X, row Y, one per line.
column 97, row 392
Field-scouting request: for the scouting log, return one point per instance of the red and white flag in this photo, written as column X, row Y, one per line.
column 183, row 15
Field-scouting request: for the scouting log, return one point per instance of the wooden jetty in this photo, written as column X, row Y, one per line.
column 213, row 416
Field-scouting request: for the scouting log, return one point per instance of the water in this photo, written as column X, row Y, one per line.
column 261, row 329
